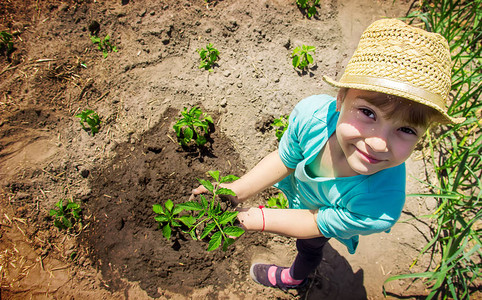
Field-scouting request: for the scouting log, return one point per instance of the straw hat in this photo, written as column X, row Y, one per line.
column 397, row 59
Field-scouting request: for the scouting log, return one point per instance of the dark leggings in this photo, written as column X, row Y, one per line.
column 310, row 253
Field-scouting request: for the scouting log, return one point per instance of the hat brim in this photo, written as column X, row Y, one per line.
column 400, row 89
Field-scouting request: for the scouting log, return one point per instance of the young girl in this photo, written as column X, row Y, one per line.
column 341, row 161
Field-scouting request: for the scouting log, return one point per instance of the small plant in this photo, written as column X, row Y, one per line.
column 208, row 56
column 217, row 223
column 206, row 218
column 92, row 119
column 65, row 217
column 6, row 44
column 279, row 201
column 168, row 217
column 308, row 7
column 302, row 56
column 192, row 125
column 104, row 45
column 282, row 124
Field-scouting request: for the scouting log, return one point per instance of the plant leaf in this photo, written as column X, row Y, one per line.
column 215, row 241
column 166, row 231
column 157, row 208
column 233, row 231
column 191, row 205
column 161, row 218
column 209, row 227
column 169, row 205
column 227, row 216
column 229, row 178
column 225, row 191
column 227, row 242
column 207, row 184
column 214, row 174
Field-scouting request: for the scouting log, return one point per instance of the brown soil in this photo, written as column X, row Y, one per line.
column 134, row 162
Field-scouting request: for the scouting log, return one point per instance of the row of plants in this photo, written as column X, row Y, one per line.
column 456, row 157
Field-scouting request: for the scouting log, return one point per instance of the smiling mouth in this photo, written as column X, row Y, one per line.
column 368, row 158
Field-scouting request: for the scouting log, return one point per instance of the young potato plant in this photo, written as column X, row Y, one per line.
column 302, row 56
column 66, row 216
column 279, row 201
column 282, row 124
column 308, row 7
column 104, row 45
column 193, row 125
column 6, row 44
column 91, row 118
column 209, row 56
column 205, row 218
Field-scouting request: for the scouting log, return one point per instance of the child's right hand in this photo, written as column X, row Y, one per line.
column 202, row 190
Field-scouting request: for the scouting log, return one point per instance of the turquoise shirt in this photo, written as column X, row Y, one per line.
column 347, row 206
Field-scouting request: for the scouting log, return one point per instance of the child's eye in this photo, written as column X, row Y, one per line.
column 367, row 112
column 408, row 130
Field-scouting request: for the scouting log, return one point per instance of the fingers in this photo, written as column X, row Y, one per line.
column 197, row 191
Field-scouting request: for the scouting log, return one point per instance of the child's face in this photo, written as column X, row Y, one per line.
column 369, row 140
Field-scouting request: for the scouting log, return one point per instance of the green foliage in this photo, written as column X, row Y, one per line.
column 217, row 223
column 456, row 243
column 91, row 118
column 308, row 7
column 193, row 125
column 103, row 45
column 65, row 217
column 168, row 217
column 302, row 56
column 206, row 218
column 279, row 201
column 6, row 43
column 209, row 56
column 281, row 125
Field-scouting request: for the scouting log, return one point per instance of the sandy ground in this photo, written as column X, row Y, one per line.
column 56, row 71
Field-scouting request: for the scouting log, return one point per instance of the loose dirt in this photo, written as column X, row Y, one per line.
column 134, row 161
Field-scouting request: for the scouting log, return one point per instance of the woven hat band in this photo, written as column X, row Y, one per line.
column 366, row 82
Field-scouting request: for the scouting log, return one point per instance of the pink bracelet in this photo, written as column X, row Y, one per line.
column 262, row 212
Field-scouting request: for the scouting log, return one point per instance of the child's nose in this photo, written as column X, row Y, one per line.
column 377, row 143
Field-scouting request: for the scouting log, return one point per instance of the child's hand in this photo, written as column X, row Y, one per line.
column 250, row 219
column 202, row 190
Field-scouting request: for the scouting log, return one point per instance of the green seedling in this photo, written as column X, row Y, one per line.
column 65, row 217
column 281, row 125
column 308, row 7
column 169, row 218
column 6, row 44
column 104, row 45
column 217, row 223
column 279, row 201
column 91, row 118
column 193, row 125
column 302, row 56
column 209, row 56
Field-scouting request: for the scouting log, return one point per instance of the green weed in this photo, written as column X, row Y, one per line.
column 308, row 7
column 302, row 56
column 103, row 45
column 281, row 125
column 455, row 247
column 193, row 125
column 66, row 216
column 6, row 43
column 209, row 56
column 91, row 118
column 279, row 201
